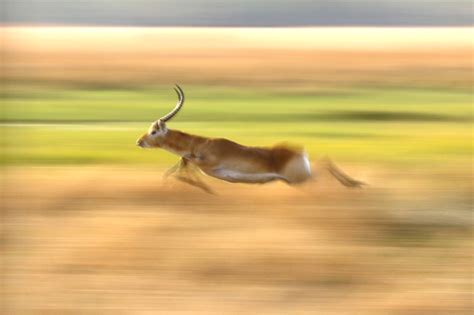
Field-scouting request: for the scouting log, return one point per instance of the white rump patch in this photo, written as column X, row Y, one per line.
column 307, row 164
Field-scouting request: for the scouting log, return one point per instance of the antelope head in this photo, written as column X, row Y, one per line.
column 157, row 131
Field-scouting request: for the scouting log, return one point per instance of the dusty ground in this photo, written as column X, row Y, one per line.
column 93, row 240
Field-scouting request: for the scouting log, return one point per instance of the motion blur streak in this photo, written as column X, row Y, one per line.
column 89, row 226
column 117, row 239
column 245, row 56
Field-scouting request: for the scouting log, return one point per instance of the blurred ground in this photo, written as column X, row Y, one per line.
column 119, row 240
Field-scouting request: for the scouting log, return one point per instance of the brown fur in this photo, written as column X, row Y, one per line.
column 230, row 161
column 210, row 152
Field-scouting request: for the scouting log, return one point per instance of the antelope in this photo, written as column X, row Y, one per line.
column 229, row 161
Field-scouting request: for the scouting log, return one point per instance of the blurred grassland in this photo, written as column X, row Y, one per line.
column 84, row 95
column 87, row 126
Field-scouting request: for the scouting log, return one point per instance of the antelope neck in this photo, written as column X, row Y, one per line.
column 180, row 143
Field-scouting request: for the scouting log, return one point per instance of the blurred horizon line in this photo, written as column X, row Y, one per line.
column 346, row 38
column 230, row 26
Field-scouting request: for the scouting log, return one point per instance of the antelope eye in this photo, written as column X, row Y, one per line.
column 153, row 132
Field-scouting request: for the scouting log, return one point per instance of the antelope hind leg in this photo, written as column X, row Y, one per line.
column 342, row 177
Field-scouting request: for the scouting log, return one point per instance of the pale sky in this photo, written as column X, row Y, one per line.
column 239, row 13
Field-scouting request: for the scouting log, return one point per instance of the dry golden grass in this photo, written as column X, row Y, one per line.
column 120, row 241
column 289, row 57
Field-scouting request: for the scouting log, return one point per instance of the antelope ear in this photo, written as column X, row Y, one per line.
column 161, row 124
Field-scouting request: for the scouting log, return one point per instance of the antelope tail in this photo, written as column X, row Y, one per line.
column 341, row 177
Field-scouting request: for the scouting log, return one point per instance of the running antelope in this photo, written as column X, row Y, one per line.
column 230, row 161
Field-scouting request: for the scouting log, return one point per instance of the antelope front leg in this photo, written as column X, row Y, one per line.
column 182, row 163
column 188, row 173
column 198, row 160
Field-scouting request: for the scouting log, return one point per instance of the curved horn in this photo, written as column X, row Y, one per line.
column 178, row 105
